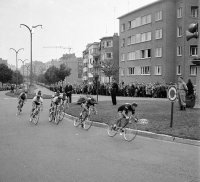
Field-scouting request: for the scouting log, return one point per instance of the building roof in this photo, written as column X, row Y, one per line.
column 158, row 1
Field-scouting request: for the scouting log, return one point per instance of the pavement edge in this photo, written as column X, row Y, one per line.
column 149, row 134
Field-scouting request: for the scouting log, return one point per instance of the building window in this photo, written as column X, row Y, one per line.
column 133, row 39
column 145, row 53
column 122, row 72
column 148, row 34
column 158, row 70
column 123, row 43
column 131, row 71
column 178, row 70
column 131, row 56
column 138, row 21
column 158, row 52
column 145, row 70
column 129, row 40
column 194, row 11
column 158, row 34
column 158, row 16
column 123, row 57
column 137, row 40
column 179, row 31
column 179, row 51
column 193, row 70
column 108, row 55
column 179, row 12
column 109, row 43
column 123, row 27
column 193, row 50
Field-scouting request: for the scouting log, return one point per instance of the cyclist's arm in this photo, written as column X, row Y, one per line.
column 85, row 107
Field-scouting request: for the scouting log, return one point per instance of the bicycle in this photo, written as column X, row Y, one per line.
column 128, row 133
column 19, row 107
column 62, row 108
column 56, row 114
column 35, row 115
column 85, row 121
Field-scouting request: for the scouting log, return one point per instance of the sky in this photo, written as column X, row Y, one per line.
column 66, row 23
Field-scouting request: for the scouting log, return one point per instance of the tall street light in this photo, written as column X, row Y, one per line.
column 16, row 51
column 23, row 61
column 30, row 30
column 27, row 67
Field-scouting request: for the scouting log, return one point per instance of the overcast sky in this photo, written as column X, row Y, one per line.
column 67, row 23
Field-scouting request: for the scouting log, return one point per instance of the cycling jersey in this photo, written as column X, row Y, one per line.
column 22, row 96
column 126, row 108
column 37, row 101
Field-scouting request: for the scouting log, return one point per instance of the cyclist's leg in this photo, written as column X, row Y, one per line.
column 117, row 123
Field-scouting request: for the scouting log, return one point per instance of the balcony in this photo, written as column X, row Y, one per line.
column 95, row 52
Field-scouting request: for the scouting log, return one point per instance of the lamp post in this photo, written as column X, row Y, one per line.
column 23, row 61
column 30, row 30
column 16, row 51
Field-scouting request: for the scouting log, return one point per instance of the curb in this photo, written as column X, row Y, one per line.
column 149, row 134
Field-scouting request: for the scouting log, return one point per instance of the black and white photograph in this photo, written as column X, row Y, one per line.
column 99, row 91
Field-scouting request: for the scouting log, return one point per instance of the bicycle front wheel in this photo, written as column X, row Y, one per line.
column 50, row 115
column 61, row 115
column 130, row 133
column 87, row 123
column 77, row 122
column 56, row 118
column 35, row 118
column 111, row 132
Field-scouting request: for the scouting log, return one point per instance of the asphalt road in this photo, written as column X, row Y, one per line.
column 63, row 153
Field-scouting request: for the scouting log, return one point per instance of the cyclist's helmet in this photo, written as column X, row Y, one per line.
column 134, row 104
column 39, row 94
column 57, row 93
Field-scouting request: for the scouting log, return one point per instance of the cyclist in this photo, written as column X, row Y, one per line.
column 37, row 101
column 65, row 101
column 125, row 111
column 22, row 98
column 86, row 108
column 56, row 101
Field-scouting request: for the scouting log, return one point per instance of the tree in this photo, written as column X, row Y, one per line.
column 109, row 69
column 5, row 73
column 15, row 75
column 63, row 72
column 51, row 75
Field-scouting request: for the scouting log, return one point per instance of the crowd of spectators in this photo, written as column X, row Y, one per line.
column 155, row 90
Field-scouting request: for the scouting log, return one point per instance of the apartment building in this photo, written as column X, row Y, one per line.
column 153, row 46
column 109, row 52
column 91, row 59
column 2, row 61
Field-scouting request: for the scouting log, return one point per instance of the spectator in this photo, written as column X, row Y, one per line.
column 114, row 90
column 68, row 91
column 182, row 89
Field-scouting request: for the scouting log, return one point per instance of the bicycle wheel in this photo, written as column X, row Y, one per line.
column 35, row 117
column 87, row 123
column 50, row 115
column 111, row 132
column 56, row 117
column 77, row 122
column 61, row 114
column 130, row 133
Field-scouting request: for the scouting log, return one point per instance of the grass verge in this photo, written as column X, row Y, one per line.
column 186, row 124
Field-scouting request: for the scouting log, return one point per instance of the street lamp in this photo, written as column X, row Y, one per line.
column 23, row 61
column 30, row 30
column 27, row 67
column 16, row 51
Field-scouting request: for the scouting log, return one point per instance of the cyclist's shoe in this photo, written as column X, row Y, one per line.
column 82, row 125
